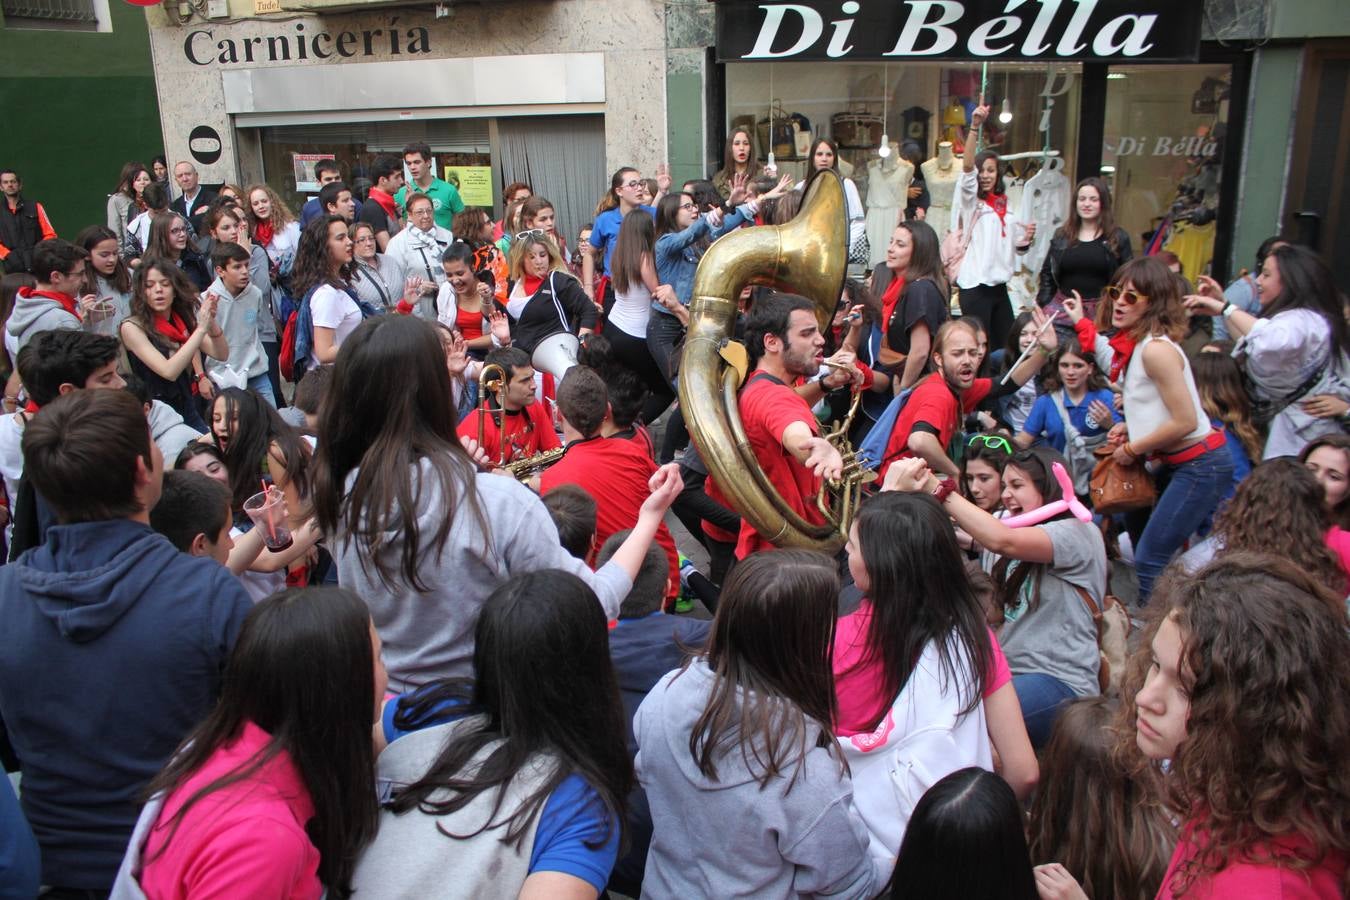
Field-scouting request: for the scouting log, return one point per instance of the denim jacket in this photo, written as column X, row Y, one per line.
column 678, row 253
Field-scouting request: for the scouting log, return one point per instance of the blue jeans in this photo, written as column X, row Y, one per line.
column 1042, row 697
column 1188, row 494
column 262, row 386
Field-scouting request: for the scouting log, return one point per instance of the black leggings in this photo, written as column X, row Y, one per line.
column 989, row 303
column 633, row 353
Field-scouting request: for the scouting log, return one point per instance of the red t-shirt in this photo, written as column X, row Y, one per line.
column 768, row 407
column 528, row 432
column 615, row 472
column 934, row 403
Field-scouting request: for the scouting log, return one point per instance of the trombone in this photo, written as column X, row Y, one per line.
column 493, row 379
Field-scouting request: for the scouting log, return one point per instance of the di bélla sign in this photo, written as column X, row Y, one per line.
column 1047, row 30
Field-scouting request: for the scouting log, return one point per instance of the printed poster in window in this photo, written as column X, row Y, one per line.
column 306, row 182
column 474, row 184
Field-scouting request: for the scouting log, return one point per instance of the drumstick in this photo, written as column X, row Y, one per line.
column 1036, row 340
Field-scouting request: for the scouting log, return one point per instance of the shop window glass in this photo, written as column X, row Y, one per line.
column 1163, row 153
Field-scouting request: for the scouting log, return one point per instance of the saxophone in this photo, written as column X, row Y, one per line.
column 527, row 467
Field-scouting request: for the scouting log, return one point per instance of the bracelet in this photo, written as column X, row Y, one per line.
column 1130, row 450
column 946, row 487
column 1228, row 310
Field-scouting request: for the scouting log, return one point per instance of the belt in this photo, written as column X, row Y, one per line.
column 1214, row 441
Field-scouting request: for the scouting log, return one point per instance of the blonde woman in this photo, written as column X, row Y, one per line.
column 545, row 298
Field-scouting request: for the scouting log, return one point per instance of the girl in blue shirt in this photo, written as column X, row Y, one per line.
column 1087, row 402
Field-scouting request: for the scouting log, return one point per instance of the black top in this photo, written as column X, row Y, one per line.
column 920, row 301
column 373, row 214
column 539, row 318
column 1086, row 267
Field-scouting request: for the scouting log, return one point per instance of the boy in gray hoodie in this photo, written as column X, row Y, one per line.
column 240, row 314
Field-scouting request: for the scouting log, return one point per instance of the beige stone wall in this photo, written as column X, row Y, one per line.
column 629, row 33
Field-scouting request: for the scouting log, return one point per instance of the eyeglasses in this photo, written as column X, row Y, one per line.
column 420, row 211
column 693, row 206
column 521, row 235
column 632, row 184
column 1131, row 297
column 177, row 231
column 368, row 239
column 991, row 442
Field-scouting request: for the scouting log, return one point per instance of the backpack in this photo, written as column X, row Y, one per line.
column 1078, row 450
column 872, row 451
column 297, row 338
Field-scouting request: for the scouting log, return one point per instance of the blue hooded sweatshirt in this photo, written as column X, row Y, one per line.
column 112, row 645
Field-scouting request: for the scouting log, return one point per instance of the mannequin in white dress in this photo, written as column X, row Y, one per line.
column 941, row 174
column 888, row 181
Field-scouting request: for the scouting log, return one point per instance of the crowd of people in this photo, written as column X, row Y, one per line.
column 316, row 585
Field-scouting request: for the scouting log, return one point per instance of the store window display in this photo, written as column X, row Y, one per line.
column 888, row 181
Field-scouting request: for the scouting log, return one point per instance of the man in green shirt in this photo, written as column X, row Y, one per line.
column 445, row 199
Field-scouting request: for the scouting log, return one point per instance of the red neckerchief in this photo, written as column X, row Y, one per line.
column 532, row 284
column 999, row 204
column 386, row 202
column 30, row 407
column 172, row 328
column 262, row 232
column 67, row 302
column 1123, row 344
column 888, row 301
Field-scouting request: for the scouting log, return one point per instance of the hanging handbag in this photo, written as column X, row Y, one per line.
column 1112, row 624
column 859, row 250
column 1119, row 488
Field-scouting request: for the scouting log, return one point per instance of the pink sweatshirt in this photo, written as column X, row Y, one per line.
column 1258, row 881
column 857, row 679
column 245, row 840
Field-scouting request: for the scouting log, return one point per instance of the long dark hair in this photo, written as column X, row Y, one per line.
column 302, row 670
column 965, row 842
column 1092, row 815
column 980, row 159
column 920, row 595
column 90, row 238
column 158, row 244
column 1307, row 283
column 815, row 145
column 564, row 705
column 637, row 238
column 668, row 212
column 257, row 427
column 1165, row 314
column 925, row 255
column 1010, row 574
column 312, row 266
column 729, row 162
column 1096, row 381
column 770, row 652
column 184, row 291
column 126, row 181
column 386, row 413
column 1106, row 221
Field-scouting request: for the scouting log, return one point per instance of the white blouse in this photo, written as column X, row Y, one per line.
column 991, row 257
column 1280, row 355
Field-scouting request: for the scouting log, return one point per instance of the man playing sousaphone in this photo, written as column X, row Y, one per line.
column 785, row 346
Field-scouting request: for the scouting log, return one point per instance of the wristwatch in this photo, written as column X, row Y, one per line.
column 1229, row 309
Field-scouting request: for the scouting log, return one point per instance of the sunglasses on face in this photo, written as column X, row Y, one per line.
column 991, row 442
column 1131, row 297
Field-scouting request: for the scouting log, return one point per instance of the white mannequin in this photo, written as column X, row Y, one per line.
column 888, row 180
column 940, row 174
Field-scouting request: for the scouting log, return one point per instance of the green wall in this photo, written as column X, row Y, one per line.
column 684, row 120
column 1274, row 100
column 74, row 106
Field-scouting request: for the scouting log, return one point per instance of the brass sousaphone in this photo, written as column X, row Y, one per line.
column 807, row 256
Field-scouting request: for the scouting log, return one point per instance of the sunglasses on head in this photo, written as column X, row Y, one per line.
column 521, row 235
column 1131, row 297
column 991, row 442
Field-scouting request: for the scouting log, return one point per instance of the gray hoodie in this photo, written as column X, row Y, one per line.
column 729, row 838
column 34, row 313
column 168, row 430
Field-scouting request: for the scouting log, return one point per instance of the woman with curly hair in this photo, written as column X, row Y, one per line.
column 1092, row 820
column 1280, row 509
column 1244, row 696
